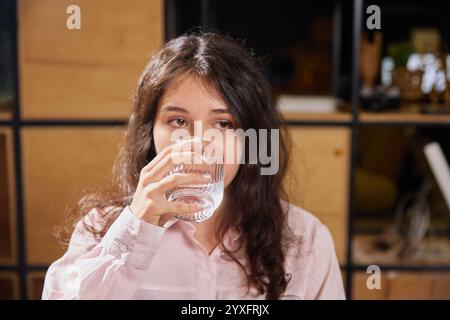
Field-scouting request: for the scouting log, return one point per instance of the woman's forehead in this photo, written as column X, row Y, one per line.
column 191, row 92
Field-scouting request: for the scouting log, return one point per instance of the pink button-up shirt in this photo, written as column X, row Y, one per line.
column 139, row 260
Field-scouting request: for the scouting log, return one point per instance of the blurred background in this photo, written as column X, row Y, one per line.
column 361, row 105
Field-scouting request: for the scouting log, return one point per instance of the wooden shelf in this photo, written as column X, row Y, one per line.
column 387, row 117
column 407, row 114
column 313, row 117
column 5, row 115
column 433, row 251
column 372, row 224
column 403, row 285
column 6, row 108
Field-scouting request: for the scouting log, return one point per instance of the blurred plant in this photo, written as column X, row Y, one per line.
column 400, row 52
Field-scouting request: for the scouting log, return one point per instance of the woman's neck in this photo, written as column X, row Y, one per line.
column 206, row 231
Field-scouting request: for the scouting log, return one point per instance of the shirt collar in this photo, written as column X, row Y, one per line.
column 170, row 220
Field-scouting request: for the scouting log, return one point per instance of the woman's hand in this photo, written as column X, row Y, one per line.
column 149, row 201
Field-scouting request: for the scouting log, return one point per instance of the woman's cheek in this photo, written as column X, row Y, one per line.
column 161, row 137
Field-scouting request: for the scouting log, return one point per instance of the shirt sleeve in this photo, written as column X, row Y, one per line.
column 325, row 281
column 110, row 268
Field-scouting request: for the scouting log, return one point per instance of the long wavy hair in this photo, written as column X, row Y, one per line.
column 255, row 201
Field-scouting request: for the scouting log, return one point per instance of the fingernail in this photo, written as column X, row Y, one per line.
column 206, row 176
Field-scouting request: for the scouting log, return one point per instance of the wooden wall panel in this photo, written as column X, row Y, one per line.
column 318, row 177
column 9, row 286
column 35, row 282
column 58, row 164
column 7, row 198
column 86, row 73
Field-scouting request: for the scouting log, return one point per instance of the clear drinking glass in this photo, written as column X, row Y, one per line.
column 208, row 195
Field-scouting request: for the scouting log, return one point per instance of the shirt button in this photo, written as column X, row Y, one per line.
column 123, row 248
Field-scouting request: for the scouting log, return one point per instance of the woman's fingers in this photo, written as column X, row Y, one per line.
column 159, row 208
column 164, row 166
column 176, row 147
column 178, row 208
column 149, row 201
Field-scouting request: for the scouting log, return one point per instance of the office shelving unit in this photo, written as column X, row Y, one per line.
column 23, row 279
column 354, row 119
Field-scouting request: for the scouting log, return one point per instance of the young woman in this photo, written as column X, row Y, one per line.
column 127, row 244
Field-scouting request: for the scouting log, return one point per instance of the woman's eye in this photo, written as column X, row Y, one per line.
column 224, row 124
column 178, row 122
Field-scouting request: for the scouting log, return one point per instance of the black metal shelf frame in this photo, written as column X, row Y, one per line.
column 16, row 123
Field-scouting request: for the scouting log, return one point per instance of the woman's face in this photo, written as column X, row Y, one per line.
column 189, row 100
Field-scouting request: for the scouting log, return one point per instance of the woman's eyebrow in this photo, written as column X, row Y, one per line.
column 220, row 111
column 174, row 108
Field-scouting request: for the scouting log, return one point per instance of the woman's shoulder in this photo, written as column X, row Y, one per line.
column 309, row 233
column 312, row 260
column 300, row 220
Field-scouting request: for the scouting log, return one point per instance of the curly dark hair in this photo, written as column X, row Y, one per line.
column 256, row 200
